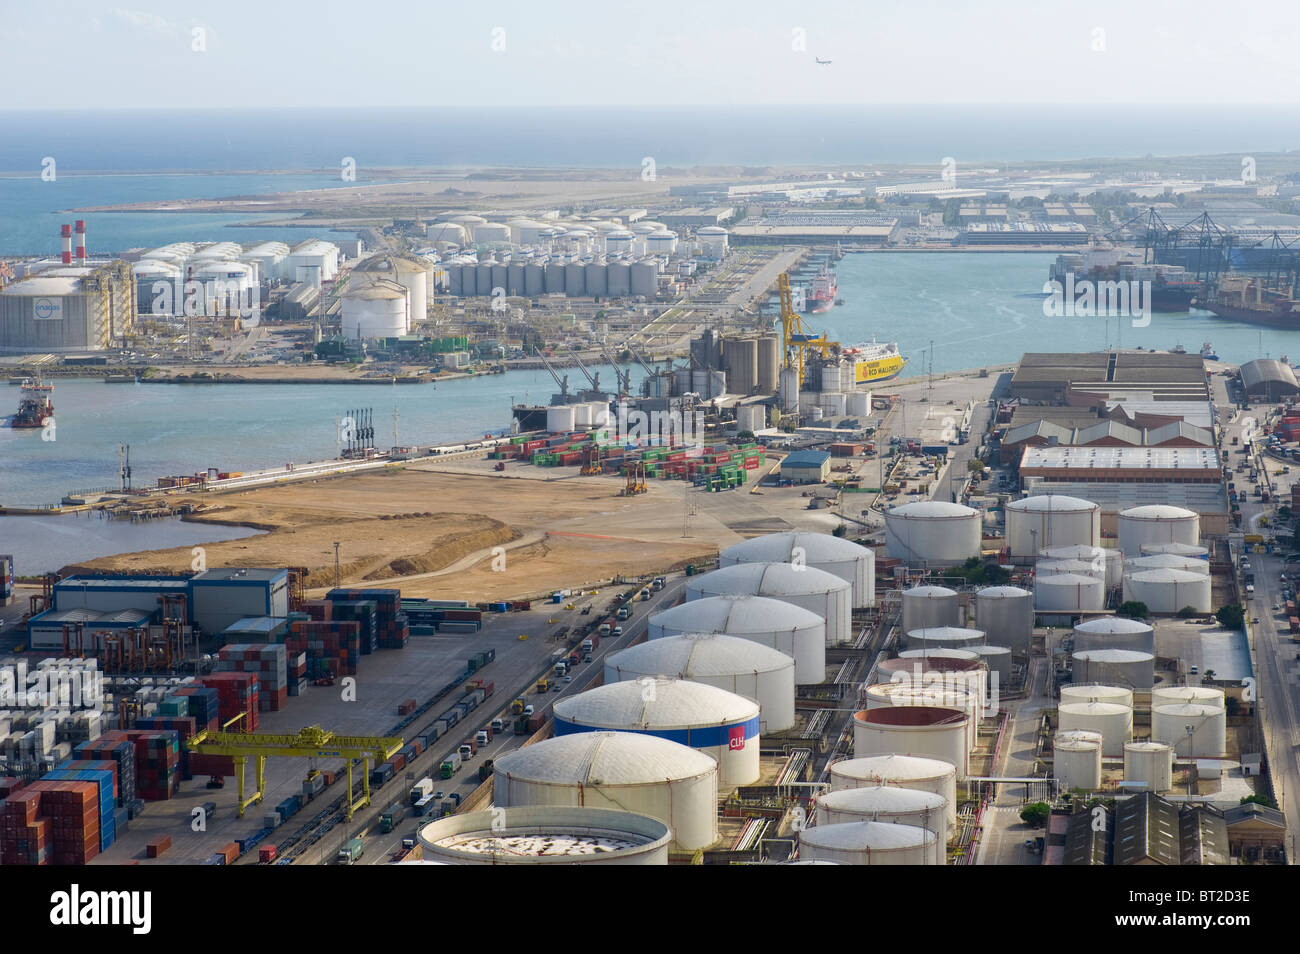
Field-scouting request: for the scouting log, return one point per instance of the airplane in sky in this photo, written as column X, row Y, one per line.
column 821, row 61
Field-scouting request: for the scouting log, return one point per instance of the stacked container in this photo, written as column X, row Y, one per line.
column 185, row 730
column 331, row 646
column 71, row 808
column 364, row 612
column 390, row 626
column 201, row 704
column 236, row 692
column 116, row 747
column 157, row 764
column 269, row 661
column 24, row 835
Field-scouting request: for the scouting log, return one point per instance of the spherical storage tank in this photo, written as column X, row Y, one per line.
column 925, row 607
column 1208, row 737
column 932, row 531
column 883, row 803
column 936, row 732
column 868, row 843
column 1168, row 591
column 718, row 723
column 1051, row 520
column 1124, row 667
column 1114, row 632
column 1158, row 523
column 1076, row 760
column 787, row 628
column 843, row 558
column 1089, row 692
column 620, row 770
column 1150, row 762
column 546, row 835
column 899, row 771
column 728, row 662
column 1101, row 560
column 944, row 637
column 375, row 309
column 1006, row 614
column 1068, row 593
column 1113, row 721
column 815, row 590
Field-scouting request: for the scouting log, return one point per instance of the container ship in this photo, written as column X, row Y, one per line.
column 1172, row 288
column 822, row 293
column 1246, row 300
column 34, row 404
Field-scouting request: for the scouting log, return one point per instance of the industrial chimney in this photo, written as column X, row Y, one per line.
column 66, row 232
column 81, row 241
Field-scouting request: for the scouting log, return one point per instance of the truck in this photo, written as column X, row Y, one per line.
column 644, row 594
column 467, row 750
column 561, row 669
column 421, row 788
column 588, row 645
column 624, row 611
column 351, row 853
column 543, row 685
column 483, row 737
column 498, row 724
column 517, row 706
column 1294, row 623
column 392, row 818
column 423, row 806
column 485, row 770
column 450, row 765
column 659, row 582
column 605, row 628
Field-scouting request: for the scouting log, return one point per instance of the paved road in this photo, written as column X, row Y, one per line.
column 1003, row 835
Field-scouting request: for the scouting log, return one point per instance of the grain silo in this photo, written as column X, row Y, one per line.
column 597, row 280
column 1155, row 524
column 1194, row 730
column 936, row 732
column 925, row 607
column 740, row 361
column 823, row 551
column 575, row 280
column 815, row 590
column 645, row 278
column 1113, row 721
column 1168, row 591
column 1068, row 593
column 1121, row 667
column 1076, row 760
column 868, row 843
column 884, row 803
column 1115, row 632
column 932, row 531
column 1150, row 762
column 1051, row 520
column 1006, row 614
column 618, row 279
column 899, row 771
column 769, row 364
column 546, row 835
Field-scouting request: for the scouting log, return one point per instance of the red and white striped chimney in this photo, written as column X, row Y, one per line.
column 66, row 232
column 81, row 241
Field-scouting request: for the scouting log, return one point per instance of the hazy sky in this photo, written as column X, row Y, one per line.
column 349, row 53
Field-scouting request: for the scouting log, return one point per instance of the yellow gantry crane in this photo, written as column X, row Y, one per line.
column 794, row 334
column 311, row 742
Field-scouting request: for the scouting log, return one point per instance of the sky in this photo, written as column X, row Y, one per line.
column 232, row 53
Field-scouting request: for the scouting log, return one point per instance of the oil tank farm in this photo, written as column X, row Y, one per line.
column 1113, row 721
column 718, row 723
column 936, row 732
column 883, row 803
column 1069, row 593
column 1194, row 730
column 1051, row 520
column 932, row 531
column 868, row 843
column 899, row 771
column 68, row 308
column 1006, row 614
column 624, row 771
column 1168, row 591
column 1114, row 632
column 815, row 590
column 727, row 662
column 1157, row 524
column 1123, row 667
column 822, row 551
column 1150, row 762
column 546, row 835
column 925, row 607
column 1076, row 759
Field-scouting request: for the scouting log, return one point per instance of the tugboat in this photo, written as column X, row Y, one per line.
column 34, row 404
column 1207, row 352
column 1178, row 349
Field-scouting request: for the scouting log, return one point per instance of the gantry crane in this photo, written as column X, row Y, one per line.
column 312, row 742
column 793, row 333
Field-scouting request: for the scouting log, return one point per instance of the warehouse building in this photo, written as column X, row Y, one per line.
column 697, row 218
column 1108, row 433
column 1086, row 379
column 1025, row 233
column 856, row 228
column 806, row 467
column 1267, row 379
column 1148, row 830
column 1151, row 465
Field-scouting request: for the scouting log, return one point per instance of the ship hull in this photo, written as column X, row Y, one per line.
column 1288, row 320
column 874, row 372
column 816, row 307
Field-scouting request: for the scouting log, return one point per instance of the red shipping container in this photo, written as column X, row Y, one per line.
column 266, row 854
column 156, row 847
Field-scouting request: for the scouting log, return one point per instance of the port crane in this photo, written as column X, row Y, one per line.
column 593, row 381
column 312, row 742
column 624, row 377
column 795, row 337
column 1200, row 246
column 560, row 382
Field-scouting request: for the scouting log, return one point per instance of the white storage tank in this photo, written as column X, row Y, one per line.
column 718, row 723
column 661, row 243
column 1103, row 560
column 1122, row 667
column 815, row 590
column 713, row 240
column 728, row 662
column 997, row 659
column 938, row 654
column 1086, row 692
column 492, row 232
column 925, row 607
column 546, row 835
column 1006, row 614
column 1114, row 632
column 228, row 288
column 868, row 843
column 375, row 309
column 1155, row 524
column 561, row 418
column 1051, row 520
column 617, row 770
column 1177, row 549
column 787, row 628
column 1208, row 724
column 937, row 732
column 899, row 771
column 944, row 637
column 1150, row 762
column 1169, row 561
column 932, row 531
column 1113, row 721
column 1168, row 591
column 823, row 551
column 452, row 232
column 1182, row 695
column 1068, row 593
column 965, row 671
column 1055, row 567
column 884, row 803
column 411, row 272
column 955, row 692
column 1076, row 760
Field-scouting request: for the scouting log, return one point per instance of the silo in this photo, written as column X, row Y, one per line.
column 1208, row 725
column 483, row 277
column 1168, row 591
column 553, row 282
column 1157, row 523
column 597, row 285
column 727, row 662
column 1182, row 695
column 1006, row 614
column 1076, row 760
column 859, row 403
column 1121, row 667
column 926, row 607
column 769, row 364
column 618, row 277
column 944, row 637
column 1169, row 561
column 883, row 803
column 645, row 278
column 1115, row 632
column 815, row 590
column 823, row 551
column 787, row 628
column 998, row 660
column 546, row 835
column 1109, row 563
column 868, row 843
column 575, row 280
column 515, row 280
column 899, row 771
column 1084, row 692
column 1113, row 721
column 1051, row 520
column 718, row 723
column 454, row 283
column 789, row 390
column 1068, row 593
column 1178, row 549
column 500, row 279
column 534, row 279
column 1150, row 762
column 618, row 770
column 582, row 414
column 932, row 531
column 740, row 360
column 937, row 732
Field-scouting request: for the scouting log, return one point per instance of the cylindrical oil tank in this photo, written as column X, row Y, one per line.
column 1114, row 632
column 955, row 654
column 1076, row 760
column 618, row 242
column 597, row 282
column 375, row 309
column 561, row 418
column 546, row 835
column 935, row 732
column 515, row 281
column 843, row 558
column 1121, row 667
column 575, row 280
column 618, row 770
column 483, row 277
column 945, row 637
column 645, row 278
column 618, row 277
column 1068, row 593
column 740, row 359
column 1157, row 523
column 884, row 803
column 918, row 669
column 868, row 843
column 1113, row 721
column 899, row 771
column 1150, row 762
column 1087, row 692
column 728, row 662
column 932, row 531
column 955, row 692
column 553, row 281
column 1006, row 614
column 445, row 232
column 815, row 590
column 859, row 403
column 1102, row 560
column 1194, row 730
column 582, row 414
column 998, row 660
column 1051, row 520
column 1182, row 695
column 1177, row 549
column 925, row 607
column 534, row 279
column 1169, row 561
column 492, row 232
column 1168, row 591
column 1056, row 567
column 721, row 724
column 661, row 243
column 500, row 279
column 789, row 387
column 790, row 629
column 769, row 364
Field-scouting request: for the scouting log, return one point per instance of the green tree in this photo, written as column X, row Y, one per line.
column 840, row 530
column 1231, row 616
column 1036, row 814
column 1135, row 609
column 1259, row 800
column 975, row 465
column 1187, row 612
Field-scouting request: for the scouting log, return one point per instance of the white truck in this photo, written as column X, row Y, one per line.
column 421, row 789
